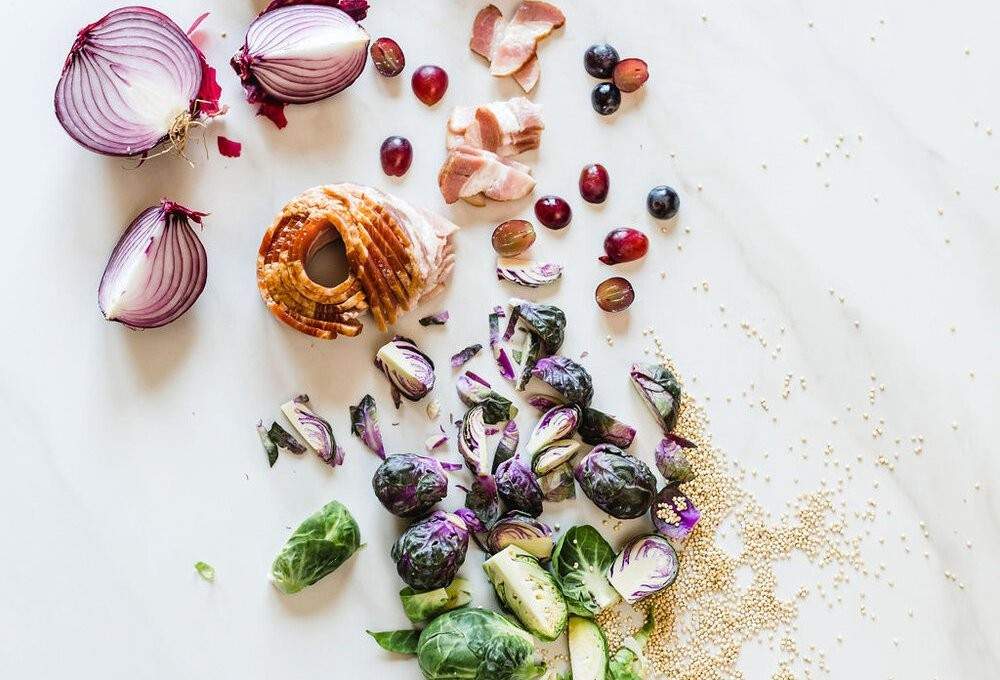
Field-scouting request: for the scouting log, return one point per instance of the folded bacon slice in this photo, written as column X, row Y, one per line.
column 511, row 49
column 470, row 173
column 397, row 255
column 505, row 128
column 532, row 21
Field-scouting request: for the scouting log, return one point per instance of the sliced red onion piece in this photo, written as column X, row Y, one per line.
column 156, row 271
column 300, row 53
column 131, row 81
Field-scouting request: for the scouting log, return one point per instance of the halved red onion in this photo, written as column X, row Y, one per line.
column 132, row 80
column 157, row 270
column 300, row 53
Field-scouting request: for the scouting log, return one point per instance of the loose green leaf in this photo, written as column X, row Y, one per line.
column 398, row 641
column 205, row 570
column 270, row 448
column 629, row 662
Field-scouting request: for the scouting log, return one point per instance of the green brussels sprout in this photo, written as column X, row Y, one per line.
column 529, row 591
column 422, row 607
column 579, row 562
column 468, row 644
column 322, row 543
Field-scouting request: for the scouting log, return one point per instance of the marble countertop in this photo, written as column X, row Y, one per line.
column 839, row 230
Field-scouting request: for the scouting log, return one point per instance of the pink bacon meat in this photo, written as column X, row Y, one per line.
column 505, row 128
column 511, row 49
column 470, row 173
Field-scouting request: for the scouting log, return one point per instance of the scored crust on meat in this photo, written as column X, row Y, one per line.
column 396, row 254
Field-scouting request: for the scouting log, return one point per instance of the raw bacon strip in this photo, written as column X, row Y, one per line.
column 468, row 172
column 486, row 31
column 533, row 20
column 505, row 128
column 527, row 76
column 396, row 256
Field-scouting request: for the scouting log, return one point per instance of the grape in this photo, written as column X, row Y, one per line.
column 387, row 57
column 630, row 74
column 606, row 98
column 429, row 84
column 663, row 202
column 396, row 155
column 553, row 212
column 513, row 237
column 614, row 294
column 600, row 60
column 594, row 183
column 624, row 245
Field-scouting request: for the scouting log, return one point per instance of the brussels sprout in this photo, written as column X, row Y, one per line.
column 429, row 552
column 270, row 448
column 674, row 514
column 528, row 591
column 422, row 607
column 597, row 427
column 554, row 455
column 629, row 662
column 543, row 402
column 588, row 650
column 438, row 319
column 566, row 377
column 524, row 531
column 671, row 461
column 410, row 371
column 580, row 561
column 559, row 484
column 548, row 322
column 518, row 488
column 659, row 390
column 483, row 499
column 474, row 390
column 507, row 448
column 364, row 425
column 619, row 484
column 470, row 643
column 409, row 485
column 436, row 440
column 527, row 358
column 555, row 424
column 322, row 543
column 475, row 440
column 646, row 565
column 315, row 430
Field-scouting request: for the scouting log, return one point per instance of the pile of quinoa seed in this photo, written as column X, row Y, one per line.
column 707, row 617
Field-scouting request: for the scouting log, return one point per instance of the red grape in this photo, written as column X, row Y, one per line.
column 594, row 183
column 396, row 155
column 553, row 212
column 387, row 57
column 513, row 237
column 614, row 294
column 624, row 244
column 630, row 74
column 429, row 84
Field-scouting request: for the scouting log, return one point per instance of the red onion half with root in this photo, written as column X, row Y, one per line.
column 133, row 80
column 297, row 54
column 157, row 269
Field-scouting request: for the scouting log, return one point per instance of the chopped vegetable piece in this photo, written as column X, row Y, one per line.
column 463, row 357
column 503, row 361
column 597, row 427
column 629, row 662
column 580, row 561
column 410, row 371
column 422, row 607
column 529, row 591
column 558, row 484
column 284, row 440
column 436, row 440
column 528, row 273
column 555, row 424
column 646, row 565
column 588, row 650
column 507, row 448
column 671, row 461
column 365, row 426
column 566, row 377
column 315, row 430
column 524, row 531
column 548, row 322
column 398, row 641
column 205, row 570
column 270, row 448
column 437, row 319
column 659, row 390
column 518, row 488
column 483, row 499
column 674, row 514
column 474, row 440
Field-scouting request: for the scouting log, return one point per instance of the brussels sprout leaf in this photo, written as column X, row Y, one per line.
column 398, row 641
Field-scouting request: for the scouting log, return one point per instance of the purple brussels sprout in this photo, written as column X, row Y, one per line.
column 438, row 319
column 409, row 485
column 483, row 499
column 554, row 455
column 507, row 448
column 504, row 364
column 474, row 440
column 646, row 565
column 671, row 461
column 430, row 551
column 618, row 483
column 314, row 429
column 464, row 356
column 566, row 377
column 410, row 371
column 659, row 390
column 674, row 514
column 546, row 322
column 597, row 427
column 475, row 391
column 524, row 531
column 542, row 402
column 555, row 424
column 518, row 488
column 364, row 425
column 558, row 485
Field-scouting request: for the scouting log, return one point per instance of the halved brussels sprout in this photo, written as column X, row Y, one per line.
column 410, row 371
column 555, row 424
column 646, row 565
column 674, row 514
column 518, row 487
column 559, row 484
column 554, row 455
column 597, row 427
column 659, row 390
column 671, row 461
column 524, row 531
column 529, row 591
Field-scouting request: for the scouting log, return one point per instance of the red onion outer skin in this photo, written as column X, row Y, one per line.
column 157, row 269
column 92, row 98
column 266, row 74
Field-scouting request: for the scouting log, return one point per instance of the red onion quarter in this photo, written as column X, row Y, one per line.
column 157, row 269
column 132, row 80
column 298, row 54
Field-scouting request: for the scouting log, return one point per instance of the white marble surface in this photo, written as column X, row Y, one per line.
column 128, row 456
